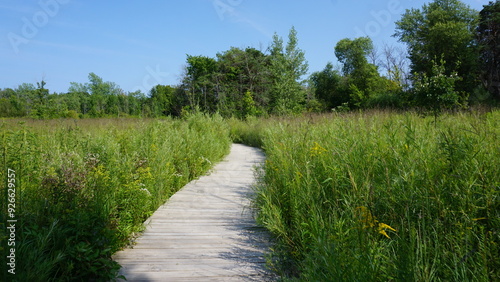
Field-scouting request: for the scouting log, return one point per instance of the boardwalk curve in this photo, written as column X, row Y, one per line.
column 206, row 231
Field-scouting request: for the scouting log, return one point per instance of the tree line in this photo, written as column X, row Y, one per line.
column 452, row 60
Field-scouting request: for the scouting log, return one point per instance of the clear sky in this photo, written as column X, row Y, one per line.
column 138, row 44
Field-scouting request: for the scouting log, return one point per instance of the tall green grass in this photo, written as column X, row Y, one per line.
column 85, row 187
column 383, row 196
column 353, row 197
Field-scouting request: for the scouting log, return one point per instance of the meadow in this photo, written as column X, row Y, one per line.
column 364, row 196
column 380, row 196
column 85, row 187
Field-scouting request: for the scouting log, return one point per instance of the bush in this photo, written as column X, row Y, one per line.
column 437, row 92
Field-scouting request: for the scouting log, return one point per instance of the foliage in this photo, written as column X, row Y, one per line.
column 362, row 79
column 379, row 196
column 327, row 87
column 488, row 35
column 437, row 92
column 442, row 29
column 86, row 186
column 249, row 82
column 200, row 71
column 100, row 96
column 352, row 54
column 222, row 84
column 94, row 99
column 287, row 66
column 389, row 100
column 162, row 100
column 241, row 72
column 249, row 108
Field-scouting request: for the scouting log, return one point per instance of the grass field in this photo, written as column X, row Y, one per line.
column 84, row 187
column 381, row 196
column 371, row 196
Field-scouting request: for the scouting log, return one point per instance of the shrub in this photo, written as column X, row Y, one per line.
column 437, row 92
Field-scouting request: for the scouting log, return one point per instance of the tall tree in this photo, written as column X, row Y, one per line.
column 442, row 30
column 353, row 54
column 199, row 80
column 137, row 104
column 26, row 95
column 326, row 84
column 11, row 104
column 81, row 91
column 488, row 35
column 103, row 95
column 288, row 65
column 242, row 75
column 97, row 97
column 161, row 100
column 41, row 101
column 362, row 77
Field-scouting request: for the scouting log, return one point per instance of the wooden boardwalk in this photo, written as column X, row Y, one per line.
column 206, row 231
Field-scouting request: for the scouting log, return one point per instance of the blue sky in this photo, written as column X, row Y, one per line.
column 138, row 44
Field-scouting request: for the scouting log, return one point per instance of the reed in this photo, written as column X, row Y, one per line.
column 87, row 186
column 380, row 196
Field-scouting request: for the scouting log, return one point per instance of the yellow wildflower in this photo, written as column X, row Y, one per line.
column 154, row 148
column 382, row 227
column 316, row 150
column 369, row 221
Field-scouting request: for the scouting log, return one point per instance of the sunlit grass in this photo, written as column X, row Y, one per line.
column 371, row 196
column 383, row 196
column 86, row 186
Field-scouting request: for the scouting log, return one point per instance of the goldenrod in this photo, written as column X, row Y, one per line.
column 369, row 221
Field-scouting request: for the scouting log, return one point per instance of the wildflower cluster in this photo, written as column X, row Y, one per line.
column 317, row 150
column 369, row 221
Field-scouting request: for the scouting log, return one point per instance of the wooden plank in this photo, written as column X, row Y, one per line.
column 206, row 231
column 215, row 268
column 204, row 276
column 194, row 261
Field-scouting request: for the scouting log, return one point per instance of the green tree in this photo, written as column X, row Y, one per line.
column 13, row 103
column 361, row 78
column 137, row 103
column 8, row 101
column 287, row 66
column 326, row 85
column 353, row 54
column 40, row 101
column 442, row 29
column 98, row 97
column 26, row 93
column 161, row 100
column 73, row 101
column 249, row 108
column 239, row 72
column 437, row 91
column 80, row 92
column 199, row 81
column 488, row 36
column 231, row 80
column 257, row 71
column 123, row 103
